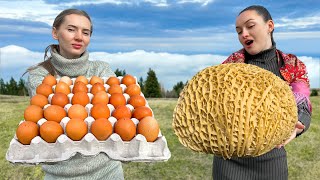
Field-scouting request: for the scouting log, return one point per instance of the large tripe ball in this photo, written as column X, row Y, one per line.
column 235, row 110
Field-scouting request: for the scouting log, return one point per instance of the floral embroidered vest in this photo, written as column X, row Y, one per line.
column 293, row 71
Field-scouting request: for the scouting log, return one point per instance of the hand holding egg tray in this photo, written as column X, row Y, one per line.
column 140, row 148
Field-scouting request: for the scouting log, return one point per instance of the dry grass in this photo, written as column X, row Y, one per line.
column 303, row 152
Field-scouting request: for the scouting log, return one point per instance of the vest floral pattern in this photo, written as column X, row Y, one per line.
column 293, row 71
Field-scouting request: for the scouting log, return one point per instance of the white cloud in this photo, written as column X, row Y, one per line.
column 25, row 28
column 40, row 11
column 158, row 3
column 15, row 60
column 313, row 69
column 298, row 23
column 201, row 40
column 215, row 42
column 13, row 56
column 170, row 68
column 37, row 11
column 298, row 35
column 202, row 2
column 121, row 24
column 81, row 3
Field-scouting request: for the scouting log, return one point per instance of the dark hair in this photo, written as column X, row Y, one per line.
column 262, row 11
column 56, row 24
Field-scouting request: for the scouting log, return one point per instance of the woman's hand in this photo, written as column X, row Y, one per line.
column 299, row 128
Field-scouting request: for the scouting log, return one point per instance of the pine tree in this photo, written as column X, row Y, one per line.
column 118, row 72
column 141, row 83
column 22, row 90
column 12, row 87
column 2, row 87
column 178, row 88
column 152, row 86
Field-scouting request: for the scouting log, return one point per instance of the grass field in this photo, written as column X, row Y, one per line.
column 303, row 152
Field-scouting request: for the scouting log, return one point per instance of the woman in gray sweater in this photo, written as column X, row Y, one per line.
column 255, row 26
column 72, row 28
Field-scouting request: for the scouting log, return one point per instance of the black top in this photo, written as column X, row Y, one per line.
column 266, row 59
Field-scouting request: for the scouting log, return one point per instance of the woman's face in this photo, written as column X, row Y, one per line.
column 253, row 32
column 73, row 35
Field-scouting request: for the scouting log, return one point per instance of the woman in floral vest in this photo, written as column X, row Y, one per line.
column 255, row 27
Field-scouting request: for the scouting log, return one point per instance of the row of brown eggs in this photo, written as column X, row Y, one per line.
column 54, row 94
column 76, row 129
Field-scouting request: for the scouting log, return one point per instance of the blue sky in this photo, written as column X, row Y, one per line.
column 175, row 38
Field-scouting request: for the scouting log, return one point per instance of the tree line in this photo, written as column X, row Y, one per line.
column 150, row 87
column 12, row 87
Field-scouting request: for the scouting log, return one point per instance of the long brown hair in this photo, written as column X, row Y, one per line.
column 56, row 24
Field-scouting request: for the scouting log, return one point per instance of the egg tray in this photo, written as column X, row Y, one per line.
column 136, row 150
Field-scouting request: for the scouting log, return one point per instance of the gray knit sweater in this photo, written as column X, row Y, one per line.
column 78, row 167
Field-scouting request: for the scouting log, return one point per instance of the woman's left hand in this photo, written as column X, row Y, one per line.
column 299, row 128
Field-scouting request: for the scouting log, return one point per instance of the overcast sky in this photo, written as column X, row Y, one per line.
column 174, row 38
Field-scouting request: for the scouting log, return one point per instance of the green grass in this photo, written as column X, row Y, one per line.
column 303, row 152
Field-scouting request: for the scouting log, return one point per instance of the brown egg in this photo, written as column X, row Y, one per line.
column 39, row 100
column 137, row 100
column 66, row 80
column 100, row 111
column 96, row 88
column 128, row 80
column 26, row 131
column 121, row 111
column 76, row 129
column 50, row 80
column 117, row 99
column 125, row 128
column 133, row 89
column 149, row 128
column 100, row 97
column 96, row 79
column 77, row 111
column 115, row 88
column 79, row 86
column 59, row 99
column 33, row 113
column 81, row 98
column 44, row 89
column 101, row 128
column 50, row 131
column 112, row 81
column 54, row 113
column 82, row 79
column 141, row 112
column 63, row 88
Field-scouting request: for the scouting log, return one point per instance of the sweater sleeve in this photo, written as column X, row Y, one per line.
column 100, row 68
column 107, row 71
column 35, row 79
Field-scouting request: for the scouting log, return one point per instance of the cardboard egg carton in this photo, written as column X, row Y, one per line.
column 137, row 150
